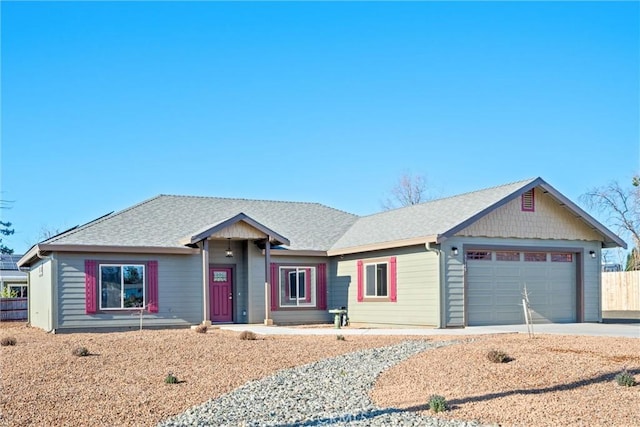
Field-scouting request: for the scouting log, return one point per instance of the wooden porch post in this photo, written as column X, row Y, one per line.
column 205, row 283
column 267, row 281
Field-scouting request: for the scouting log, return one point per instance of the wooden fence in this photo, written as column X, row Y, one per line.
column 621, row 291
column 14, row 309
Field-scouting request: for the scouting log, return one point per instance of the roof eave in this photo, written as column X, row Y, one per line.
column 384, row 245
column 611, row 240
column 37, row 250
column 27, row 257
column 464, row 224
column 275, row 237
column 296, row 252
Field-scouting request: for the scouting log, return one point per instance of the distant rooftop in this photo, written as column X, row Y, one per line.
column 9, row 261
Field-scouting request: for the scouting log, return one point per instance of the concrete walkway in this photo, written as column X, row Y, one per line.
column 593, row 329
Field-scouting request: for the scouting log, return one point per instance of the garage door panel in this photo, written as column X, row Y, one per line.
column 504, row 301
column 508, row 286
column 494, row 291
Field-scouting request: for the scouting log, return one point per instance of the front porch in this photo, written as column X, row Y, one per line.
column 236, row 255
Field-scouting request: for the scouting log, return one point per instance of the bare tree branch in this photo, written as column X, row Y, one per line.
column 622, row 207
column 409, row 190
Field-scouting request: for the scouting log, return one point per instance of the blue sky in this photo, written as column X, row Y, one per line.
column 107, row 104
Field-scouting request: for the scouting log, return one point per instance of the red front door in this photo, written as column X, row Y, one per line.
column 220, row 294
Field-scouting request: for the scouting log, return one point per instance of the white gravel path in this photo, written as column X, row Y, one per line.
column 330, row 392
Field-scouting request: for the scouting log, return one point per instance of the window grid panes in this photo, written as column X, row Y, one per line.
column 479, row 255
column 121, row 286
column 561, row 257
column 535, row 256
column 297, row 286
column 507, row 256
column 220, row 276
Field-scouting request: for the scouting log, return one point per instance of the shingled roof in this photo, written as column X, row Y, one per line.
column 439, row 219
column 164, row 221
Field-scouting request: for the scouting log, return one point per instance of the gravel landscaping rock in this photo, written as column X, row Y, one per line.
column 333, row 392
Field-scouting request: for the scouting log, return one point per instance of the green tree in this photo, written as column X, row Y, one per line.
column 5, row 230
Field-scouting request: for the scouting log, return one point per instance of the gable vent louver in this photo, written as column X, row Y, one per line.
column 528, row 201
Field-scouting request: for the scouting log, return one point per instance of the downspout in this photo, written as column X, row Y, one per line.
column 441, row 273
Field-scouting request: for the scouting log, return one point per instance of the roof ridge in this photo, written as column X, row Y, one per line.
column 98, row 220
column 244, row 199
column 523, row 181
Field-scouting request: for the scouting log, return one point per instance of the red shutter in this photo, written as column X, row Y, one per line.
column 152, row 286
column 90, row 297
column 322, row 286
column 360, row 280
column 307, row 285
column 274, row 287
column 393, row 291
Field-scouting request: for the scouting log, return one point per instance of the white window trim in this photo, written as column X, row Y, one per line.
column 300, row 302
column 122, row 307
column 364, row 267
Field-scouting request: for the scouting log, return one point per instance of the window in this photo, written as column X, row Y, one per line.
column 297, row 286
column 220, row 276
column 479, row 255
column 14, row 291
column 376, row 279
column 561, row 257
column 20, row 291
column 535, row 256
column 297, row 280
column 121, row 286
column 507, row 256
column 528, row 201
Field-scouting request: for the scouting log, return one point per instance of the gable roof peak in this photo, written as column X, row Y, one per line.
column 515, row 184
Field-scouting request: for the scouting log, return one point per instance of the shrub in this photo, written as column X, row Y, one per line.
column 201, row 329
column 247, row 336
column 171, row 379
column 438, row 403
column 497, row 356
column 340, row 337
column 80, row 351
column 625, row 379
column 5, row 341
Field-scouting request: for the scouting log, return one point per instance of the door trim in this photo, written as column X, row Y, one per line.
column 576, row 251
column 232, row 268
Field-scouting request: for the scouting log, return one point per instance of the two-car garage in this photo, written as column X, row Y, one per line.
column 495, row 281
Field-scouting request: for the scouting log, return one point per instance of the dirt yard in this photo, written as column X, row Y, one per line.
column 569, row 380
column 551, row 381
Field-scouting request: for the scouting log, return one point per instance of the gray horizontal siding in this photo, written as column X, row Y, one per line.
column 418, row 282
column 592, row 285
column 256, row 290
column 179, row 293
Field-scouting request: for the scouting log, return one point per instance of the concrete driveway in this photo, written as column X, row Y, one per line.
column 628, row 330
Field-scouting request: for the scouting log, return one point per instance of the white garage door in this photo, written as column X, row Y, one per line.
column 496, row 280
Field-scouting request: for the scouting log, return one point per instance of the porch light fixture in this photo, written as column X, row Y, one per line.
column 229, row 252
column 454, row 250
column 592, row 253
